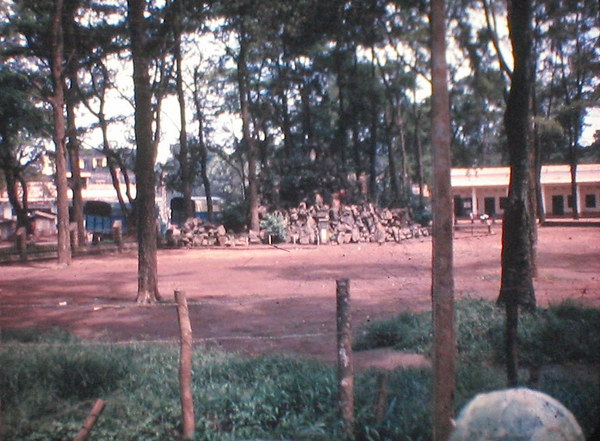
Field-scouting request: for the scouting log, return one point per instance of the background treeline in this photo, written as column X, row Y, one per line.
column 276, row 101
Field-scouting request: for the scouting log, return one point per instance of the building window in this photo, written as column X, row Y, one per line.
column 590, row 201
column 570, row 200
column 503, row 203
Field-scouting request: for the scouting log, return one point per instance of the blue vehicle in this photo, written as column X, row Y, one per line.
column 178, row 216
column 100, row 216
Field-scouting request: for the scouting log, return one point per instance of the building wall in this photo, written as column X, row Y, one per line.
column 556, row 200
column 488, row 200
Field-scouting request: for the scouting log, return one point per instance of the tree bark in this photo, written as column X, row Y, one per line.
column 145, row 158
column 442, row 277
column 11, row 177
column 73, row 146
column 58, row 106
column 76, row 181
column 249, row 140
column 517, row 276
column 203, row 151
column 185, row 169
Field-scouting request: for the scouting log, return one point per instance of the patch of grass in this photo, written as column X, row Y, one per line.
column 37, row 335
column 564, row 333
column 407, row 331
column 50, row 382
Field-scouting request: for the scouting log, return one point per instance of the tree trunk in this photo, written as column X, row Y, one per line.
column 203, row 150
column 249, row 140
column 76, row 181
column 442, row 277
column 58, row 104
column 11, row 177
column 419, row 152
column 145, row 158
column 574, row 189
column 537, row 149
column 204, row 168
column 185, row 170
column 517, row 278
column 73, row 146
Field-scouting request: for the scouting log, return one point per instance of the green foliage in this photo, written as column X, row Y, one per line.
column 234, row 216
column 421, row 215
column 562, row 333
column 407, row 331
column 51, row 380
column 276, row 225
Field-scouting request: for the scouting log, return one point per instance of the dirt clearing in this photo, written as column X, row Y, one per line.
column 280, row 299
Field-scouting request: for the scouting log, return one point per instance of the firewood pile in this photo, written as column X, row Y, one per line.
column 196, row 232
column 350, row 224
column 306, row 225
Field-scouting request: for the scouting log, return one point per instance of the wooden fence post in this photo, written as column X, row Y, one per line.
column 22, row 243
column 185, row 366
column 73, row 236
column 345, row 368
column 381, row 401
column 90, row 421
column 117, row 230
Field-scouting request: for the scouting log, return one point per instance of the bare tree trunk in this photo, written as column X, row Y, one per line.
column 187, row 177
column 537, row 149
column 419, row 151
column 252, row 195
column 58, row 104
column 73, row 146
column 145, row 158
column 204, row 168
column 76, row 181
column 517, row 276
column 574, row 189
column 442, row 277
column 203, row 150
column 11, row 179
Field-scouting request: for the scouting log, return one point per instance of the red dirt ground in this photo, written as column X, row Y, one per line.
column 280, row 299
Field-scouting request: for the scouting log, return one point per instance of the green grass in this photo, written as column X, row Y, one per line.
column 562, row 334
column 50, row 381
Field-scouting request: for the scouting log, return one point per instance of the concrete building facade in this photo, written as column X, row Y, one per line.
column 479, row 191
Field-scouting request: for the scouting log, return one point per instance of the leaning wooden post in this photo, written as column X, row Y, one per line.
column 73, row 236
column 185, row 366
column 382, row 397
column 90, row 421
column 117, row 230
column 22, row 242
column 344, row 341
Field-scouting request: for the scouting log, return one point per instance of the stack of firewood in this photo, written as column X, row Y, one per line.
column 351, row 224
column 198, row 233
column 315, row 224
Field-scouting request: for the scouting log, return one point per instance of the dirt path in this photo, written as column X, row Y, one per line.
column 268, row 299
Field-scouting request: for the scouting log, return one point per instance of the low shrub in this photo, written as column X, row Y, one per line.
column 50, row 381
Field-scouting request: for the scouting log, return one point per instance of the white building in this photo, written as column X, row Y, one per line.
column 484, row 190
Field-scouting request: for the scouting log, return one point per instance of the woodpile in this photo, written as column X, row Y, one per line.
column 196, row 232
column 306, row 225
column 351, row 224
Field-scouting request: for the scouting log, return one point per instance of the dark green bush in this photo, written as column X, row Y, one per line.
column 50, row 386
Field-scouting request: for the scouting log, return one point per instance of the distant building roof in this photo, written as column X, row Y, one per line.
column 500, row 176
